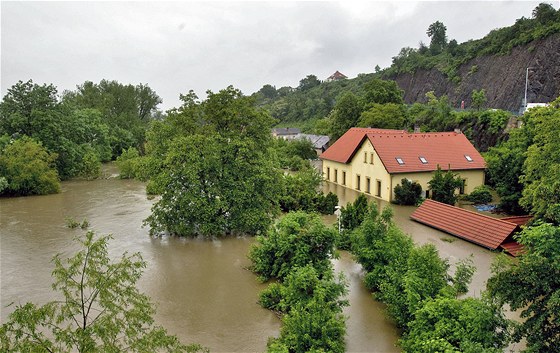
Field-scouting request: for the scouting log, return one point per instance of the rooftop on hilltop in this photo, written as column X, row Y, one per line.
column 336, row 76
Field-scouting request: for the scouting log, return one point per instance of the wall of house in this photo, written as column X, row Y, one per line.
column 333, row 172
column 473, row 178
column 361, row 165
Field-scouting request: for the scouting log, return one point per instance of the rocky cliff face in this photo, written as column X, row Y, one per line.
column 503, row 78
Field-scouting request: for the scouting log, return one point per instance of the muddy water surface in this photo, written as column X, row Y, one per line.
column 202, row 289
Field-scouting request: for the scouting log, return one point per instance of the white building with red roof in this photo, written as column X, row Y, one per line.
column 374, row 161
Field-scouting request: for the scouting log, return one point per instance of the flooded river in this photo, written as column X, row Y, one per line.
column 202, row 289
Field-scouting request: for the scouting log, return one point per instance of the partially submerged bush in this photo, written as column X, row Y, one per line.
column 408, row 192
column 480, row 195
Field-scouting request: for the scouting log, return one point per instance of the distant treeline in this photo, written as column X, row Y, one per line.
column 45, row 137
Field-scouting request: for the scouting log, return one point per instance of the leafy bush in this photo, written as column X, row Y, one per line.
column 299, row 239
column 127, row 163
column 443, row 186
column 408, row 192
column 3, row 184
column 480, row 195
column 326, row 204
column 354, row 213
column 28, row 168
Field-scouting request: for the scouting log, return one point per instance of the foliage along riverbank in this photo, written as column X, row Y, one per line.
column 45, row 138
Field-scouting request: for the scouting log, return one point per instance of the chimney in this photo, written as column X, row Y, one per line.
column 416, row 129
column 457, row 131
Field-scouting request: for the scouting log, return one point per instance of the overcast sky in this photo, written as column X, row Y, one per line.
column 177, row 46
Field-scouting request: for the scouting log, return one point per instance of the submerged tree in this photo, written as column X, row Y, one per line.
column 28, row 168
column 216, row 172
column 101, row 309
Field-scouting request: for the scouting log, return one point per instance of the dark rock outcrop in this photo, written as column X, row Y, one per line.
column 502, row 76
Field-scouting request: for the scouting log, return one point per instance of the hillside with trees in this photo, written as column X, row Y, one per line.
column 496, row 64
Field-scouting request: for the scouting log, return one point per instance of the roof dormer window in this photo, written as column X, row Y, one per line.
column 399, row 161
column 423, row 160
column 468, row 158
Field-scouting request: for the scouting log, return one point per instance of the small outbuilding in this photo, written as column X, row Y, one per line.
column 491, row 233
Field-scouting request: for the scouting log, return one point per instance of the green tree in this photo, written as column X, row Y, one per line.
column 478, row 99
column 311, row 327
column 28, row 169
column 297, row 240
column 443, row 186
column 530, row 284
column 408, row 192
column 380, row 247
column 301, row 286
column 384, row 116
column 23, row 104
column 468, row 325
column 544, row 13
column 308, row 82
column 268, row 91
column 377, row 91
column 100, row 310
column 401, row 275
column 127, row 163
column 436, row 115
column 300, row 190
column 77, row 136
column 438, row 37
column 303, row 148
column 217, row 174
column 541, row 169
column 127, row 109
column 505, row 166
column 345, row 115
column 354, row 213
column 480, row 195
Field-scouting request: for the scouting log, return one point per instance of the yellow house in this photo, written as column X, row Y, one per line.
column 374, row 161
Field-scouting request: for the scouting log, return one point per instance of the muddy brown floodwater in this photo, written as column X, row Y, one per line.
column 202, row 289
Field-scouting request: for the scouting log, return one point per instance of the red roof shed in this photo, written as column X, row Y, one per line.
column 486, row 231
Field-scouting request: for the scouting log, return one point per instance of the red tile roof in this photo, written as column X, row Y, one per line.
column 474, row 227
column 513, row 247
column 519, row 220
column 337, row 76
column 344, row 148
column 446, row 149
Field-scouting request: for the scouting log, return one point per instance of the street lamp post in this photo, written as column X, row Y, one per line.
column 338, row 213
column 526, row 86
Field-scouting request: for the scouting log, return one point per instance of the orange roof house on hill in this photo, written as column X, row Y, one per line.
column 374, row 161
